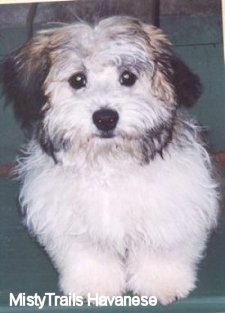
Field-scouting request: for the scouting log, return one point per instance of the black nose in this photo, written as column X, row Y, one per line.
column 105, row 119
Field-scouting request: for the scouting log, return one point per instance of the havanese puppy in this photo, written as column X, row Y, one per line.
column 116, row 182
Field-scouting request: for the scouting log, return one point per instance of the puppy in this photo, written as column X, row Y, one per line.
column 116, row 182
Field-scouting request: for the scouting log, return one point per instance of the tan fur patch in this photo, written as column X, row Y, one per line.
column 159, row 48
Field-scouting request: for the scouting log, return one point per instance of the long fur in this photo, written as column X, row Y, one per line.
column 131, row 212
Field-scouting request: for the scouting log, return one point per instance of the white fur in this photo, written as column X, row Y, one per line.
column 109, row 222
column 88, row 217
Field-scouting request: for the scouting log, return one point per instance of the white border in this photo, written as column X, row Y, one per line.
column 223, row 17
column 28, row 1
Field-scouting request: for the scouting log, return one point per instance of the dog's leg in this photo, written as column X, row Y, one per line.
column 168, row 275
column 87, row 269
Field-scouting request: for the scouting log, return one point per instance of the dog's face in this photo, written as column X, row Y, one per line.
column 117, row 84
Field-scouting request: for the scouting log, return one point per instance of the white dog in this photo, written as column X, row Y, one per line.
column 116, row 183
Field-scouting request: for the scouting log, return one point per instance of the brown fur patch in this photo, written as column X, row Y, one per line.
column 160, row 51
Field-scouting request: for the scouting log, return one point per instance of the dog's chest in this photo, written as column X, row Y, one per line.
column 109, row 201
column 105, row 201
column 111, row 197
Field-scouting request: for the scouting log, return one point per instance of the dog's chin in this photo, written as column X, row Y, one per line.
column 114, row 135
column 106, row 135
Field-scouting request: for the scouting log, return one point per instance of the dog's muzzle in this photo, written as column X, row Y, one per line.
column 105, row 120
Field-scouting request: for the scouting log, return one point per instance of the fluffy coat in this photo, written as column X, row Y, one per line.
column 129, row 208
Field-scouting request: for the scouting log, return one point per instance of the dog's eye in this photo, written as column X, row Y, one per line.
column 127, row 79
column 78, row 80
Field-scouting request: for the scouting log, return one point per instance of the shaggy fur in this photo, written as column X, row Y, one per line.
column 123, row 208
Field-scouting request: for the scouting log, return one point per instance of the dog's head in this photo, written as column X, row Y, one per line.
column 113, row 84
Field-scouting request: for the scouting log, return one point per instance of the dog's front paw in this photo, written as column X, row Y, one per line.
column 93, row 277
column 168, row 283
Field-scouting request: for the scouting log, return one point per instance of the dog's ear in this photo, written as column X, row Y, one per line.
column 187, row 85
column 24, row 72
column 172, row 78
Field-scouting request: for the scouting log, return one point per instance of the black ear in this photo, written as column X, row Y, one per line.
column 24, row 72
column 187, row 85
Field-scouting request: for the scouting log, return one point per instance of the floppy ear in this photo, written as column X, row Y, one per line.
column 187, row 85
column 24, row 72
column 172, row 79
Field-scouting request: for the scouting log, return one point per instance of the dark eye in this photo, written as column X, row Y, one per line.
column 127, row 79
column 78, row 80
